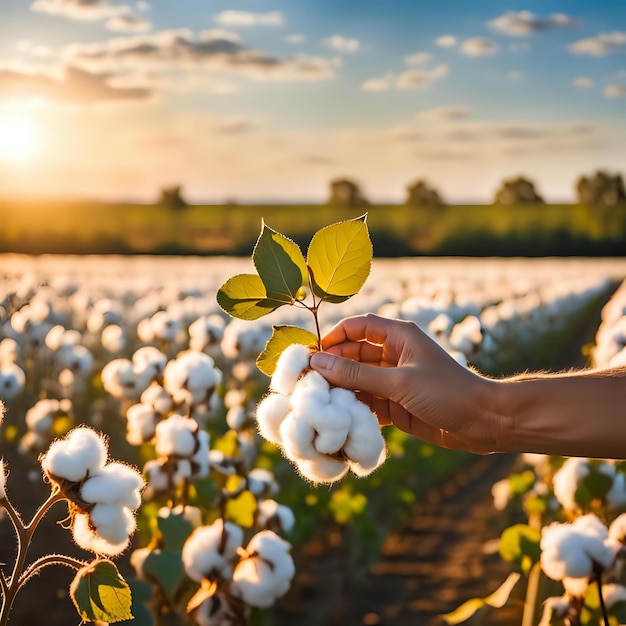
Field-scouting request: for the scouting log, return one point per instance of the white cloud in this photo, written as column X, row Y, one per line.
column 142, row 6
column 382, row 83
column 80, row 9
column 246, row 18
column 446, row 113
column 615, row 91
column 516, row 75
column 342, row 44
column 128, row 23
column 295, row 38
column 418, row 79
column 601, row 45
column 446, row 41
column 582, row 82
column 418, row 58
column 524, row 23
column 170, row 50
column 478, row 47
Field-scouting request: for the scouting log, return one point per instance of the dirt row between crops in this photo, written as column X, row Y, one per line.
column 445, row 555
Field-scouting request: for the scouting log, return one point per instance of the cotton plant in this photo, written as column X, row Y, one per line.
column 102, row 497
column 323, row 431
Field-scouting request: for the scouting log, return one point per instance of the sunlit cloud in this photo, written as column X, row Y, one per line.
column 524, row 23
column 210, row 50
column 478, row 47
column 418, row 58
column 381, row 83
column 80, row 9
column 246, row 18
column 418, row 79
column 601, row 45
column 295, row 38
column 128, row 23
column 446, row 41
column 582, row 82
column 342, row 44
column 615, row 91
column 445, row 113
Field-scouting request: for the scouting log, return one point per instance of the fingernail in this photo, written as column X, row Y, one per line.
column 322, row 360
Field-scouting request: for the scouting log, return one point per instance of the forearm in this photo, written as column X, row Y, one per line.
column 574, row 414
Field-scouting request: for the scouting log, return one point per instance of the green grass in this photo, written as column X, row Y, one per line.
column 531, row 230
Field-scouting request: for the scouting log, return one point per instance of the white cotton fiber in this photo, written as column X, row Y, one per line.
column 270, row 413
column 201, row 553
column 158, row 398
column 291, row 363
column 262, row 482
column 87, row 539
column 311, row 389
column 613, row 594
column 236, row 417
column 114, row 483
column 113, row 523
column 617, row 529
column 365, row 443
column 157, row 476
column 253, row 582
column 297, row 437
column 566, row 480
column 176, row 436
column 271, row 511
column 323, row 469
column 82, row 451
column 141, row 421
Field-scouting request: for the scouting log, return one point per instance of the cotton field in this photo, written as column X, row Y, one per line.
column 138, row 348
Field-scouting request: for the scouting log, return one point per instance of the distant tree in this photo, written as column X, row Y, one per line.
column 346, row 193
column 420, row 194
column 517, row 191
column 172, row 198
column 601, row 190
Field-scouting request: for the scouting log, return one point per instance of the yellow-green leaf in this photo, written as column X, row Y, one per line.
column 280, row 264
column 244, row 296
column 496, row 600
column 519, row 544
column 339, row 259
column 346, row 505
column 282, row 336
column 241, row 510
column 100, row 593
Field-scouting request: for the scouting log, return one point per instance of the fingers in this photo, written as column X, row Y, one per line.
column 370, row 328
column 359, row 351
column 351, row 374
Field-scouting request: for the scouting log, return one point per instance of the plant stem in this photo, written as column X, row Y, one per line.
column 50, row 559
column 24, row 537
column 598, row 571
column 532, row 601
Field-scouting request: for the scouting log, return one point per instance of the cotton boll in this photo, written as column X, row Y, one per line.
column 235, row 397
column 297, row 437
column 114, row 483
column 501, row 492
column 214, row 611
column 39, row 418
column 365, row 444
column 220, row 463
column 113, row 338
column 54, row 337
column 158, row 478
column 613, row 594
column 576, row 587
column 191, row 514
column 9, row 351
column 164, row 327
column 200, row 460
column 205, row 334
column 120, row 380
column 78, row 359
column 617, row 529
column 616, row 496
column 113, row 522
column 149, row 363
column 3, row 480
column 158, row 398
column 312, row 389
column 87, row 539
column 141, row 424
column 262, row 483
column 323, row 469
column 290, row 365
column 270, row 413
column 566, row 480
column 12, row 380
column 253, row 582
column 82, row 451
column 201, row 554
column 271, row 512
column 176, row 436
column 236, row 417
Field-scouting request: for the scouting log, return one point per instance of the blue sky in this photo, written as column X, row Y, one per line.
column 264, row 100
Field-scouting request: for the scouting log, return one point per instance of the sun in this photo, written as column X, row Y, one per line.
column 17, row 139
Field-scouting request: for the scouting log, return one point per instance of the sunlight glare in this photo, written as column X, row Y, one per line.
column 17, row 139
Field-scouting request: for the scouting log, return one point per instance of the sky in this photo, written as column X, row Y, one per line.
column 268, row 100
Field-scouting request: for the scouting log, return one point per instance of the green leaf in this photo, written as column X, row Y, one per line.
column 594, row 486
column 100, row 593
column 280, row 264
column 520, row 483
column 244, row 296
column 166, row 568
column 241, row 510
column 142, row 593
column 496, row 600
column 175, row 530
column 339, row 259
column 346, row 505
column 282, row 337
column 519, row 544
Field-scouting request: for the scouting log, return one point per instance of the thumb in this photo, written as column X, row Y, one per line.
column 350, row 374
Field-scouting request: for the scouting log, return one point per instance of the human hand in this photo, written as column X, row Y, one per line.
column 408, row 380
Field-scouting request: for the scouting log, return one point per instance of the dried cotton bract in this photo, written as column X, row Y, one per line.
column 324, row 431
